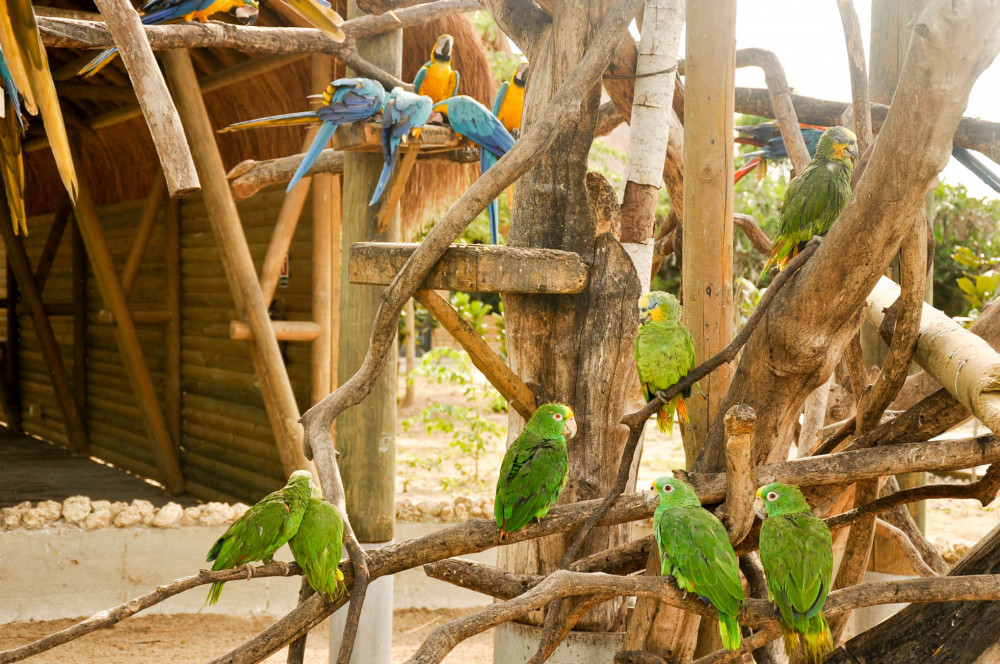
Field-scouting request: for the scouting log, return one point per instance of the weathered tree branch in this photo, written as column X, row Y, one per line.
column 972, row 133
column 859, row 74
column 758, row 238
column 903, row 543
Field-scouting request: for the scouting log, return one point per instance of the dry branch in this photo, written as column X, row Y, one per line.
column 109, row 617
column 972, row 133
column 859, row 74
column 758, row 238
column 248, row 177
column 740, row 422
column 903, row 543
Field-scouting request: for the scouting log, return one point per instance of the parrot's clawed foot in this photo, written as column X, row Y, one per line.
column 285, row 569
column 816, row 239
column 248, row 568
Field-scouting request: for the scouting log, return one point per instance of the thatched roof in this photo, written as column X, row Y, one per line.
column 120, row 161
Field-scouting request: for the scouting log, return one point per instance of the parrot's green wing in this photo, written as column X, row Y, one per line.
column 664, row 353
column 256, row 535
column 695, row 550
column 532, row 477
column 317, row 547
column 796, row 551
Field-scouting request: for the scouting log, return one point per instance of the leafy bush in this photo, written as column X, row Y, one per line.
column 967, row 246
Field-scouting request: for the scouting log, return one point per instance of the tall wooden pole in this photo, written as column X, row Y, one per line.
column 275, row 386
column 172, row 333
column 79, row 319
column 366, row 433
column 21, row 267
column 322, row 213
column 708, row 202
column 12, row 359
column 113, row 295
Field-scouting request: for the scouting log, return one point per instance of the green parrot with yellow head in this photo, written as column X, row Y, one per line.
column 695, row 550
column 664, row 353
column 796, row 550
column 815, row 199
column 534, row 469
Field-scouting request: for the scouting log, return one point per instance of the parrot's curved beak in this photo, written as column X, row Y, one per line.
column 758, row 506
column 245, row 15
column 569, row 430
column 644, row 316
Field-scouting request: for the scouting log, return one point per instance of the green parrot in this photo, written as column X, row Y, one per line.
column 796, row 551
column 815, row 199
column 316, row 547
column 664, row 353
column 695, row 550
column 263, row 529
column 533, row 473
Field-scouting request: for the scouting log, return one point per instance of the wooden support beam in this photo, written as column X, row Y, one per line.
column 476, row 268
column 141, row 317
column 279, row 400
column 48, row 256
column 12, row 359
column 21, row 267
column 284, row 229
column 55, row 309
column 322, row 218
column 386, row 206
column 496, row 370
column 144, row 231
column 96, row 92
column 108, row 284
column 151, row 91
column 366, row 136
column 79, row 320
column 284, row 330
column 172, row 332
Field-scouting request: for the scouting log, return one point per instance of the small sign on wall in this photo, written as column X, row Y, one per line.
column 283, row 276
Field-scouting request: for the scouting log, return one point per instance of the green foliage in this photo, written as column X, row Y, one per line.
column 967, row 250
column 609, row 162
column 469, row 434
column 478, row 232
column 747, row 296
column 473, row 311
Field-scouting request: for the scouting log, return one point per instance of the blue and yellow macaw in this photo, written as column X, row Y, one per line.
column 767, row 135
column 436, row 78
column 344, row 100
column 160, row 12
column 508, row 105
column 405, row 113
column 474, row 121
column 28, row 68
column 12, row 127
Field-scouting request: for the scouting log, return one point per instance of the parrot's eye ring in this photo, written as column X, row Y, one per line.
column 668, row 488
column 772, row 496
column 557, row 417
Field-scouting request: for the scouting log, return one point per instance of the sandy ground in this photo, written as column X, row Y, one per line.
column 184, row 638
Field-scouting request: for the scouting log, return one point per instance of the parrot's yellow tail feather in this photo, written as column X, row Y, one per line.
column 682, row 411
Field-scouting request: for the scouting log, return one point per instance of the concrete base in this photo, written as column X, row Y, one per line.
column 66, row 572
column 514, row 643
column 373, row 644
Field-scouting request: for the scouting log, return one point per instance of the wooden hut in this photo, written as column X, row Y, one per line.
column 171, row 270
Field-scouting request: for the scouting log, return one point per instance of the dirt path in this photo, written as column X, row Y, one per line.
column 197, row 638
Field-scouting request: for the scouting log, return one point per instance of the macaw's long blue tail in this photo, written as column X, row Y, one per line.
column 383, row 179
column 98, row 63
column 322, row 137
column 301, row 117
column 977, row 166
column 486, row 160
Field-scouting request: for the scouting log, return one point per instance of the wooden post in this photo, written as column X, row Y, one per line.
column 151, row 91
column 12, row 360
column 52, row 242
column 144, row 231
column 708, row 202
column 365, row 433
column 322, row 277
column 21, row 267
column 79, row 320
column 279, row 400
column 172, row 333
column 133, row 359
column 411, row 352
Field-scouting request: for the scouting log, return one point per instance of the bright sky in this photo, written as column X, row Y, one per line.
column 808, row 39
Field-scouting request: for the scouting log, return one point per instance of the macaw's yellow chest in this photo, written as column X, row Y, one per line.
column 511, row 108
column 217, row 6
column 439, row 82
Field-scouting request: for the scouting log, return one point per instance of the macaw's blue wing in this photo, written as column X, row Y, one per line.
column 968, row 159
column 159, row 12
column 404, row 112
column 418, row 80
column 498, row 100
column 322, row 138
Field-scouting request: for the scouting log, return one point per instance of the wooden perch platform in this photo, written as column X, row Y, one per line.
column 367, row 137
column 475, row 268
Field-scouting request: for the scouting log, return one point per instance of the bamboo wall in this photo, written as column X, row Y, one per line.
column 227, row 448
